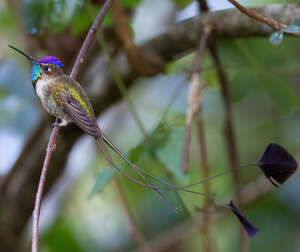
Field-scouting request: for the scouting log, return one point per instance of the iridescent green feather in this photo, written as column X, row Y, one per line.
column 76, row 92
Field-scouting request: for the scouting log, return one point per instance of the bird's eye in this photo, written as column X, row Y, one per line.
column 45, row 68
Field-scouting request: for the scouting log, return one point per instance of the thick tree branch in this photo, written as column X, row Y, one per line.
column 179, row 39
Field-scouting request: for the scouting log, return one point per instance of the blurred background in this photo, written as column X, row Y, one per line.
column 141, row 104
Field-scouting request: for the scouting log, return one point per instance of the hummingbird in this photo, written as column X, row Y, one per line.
column 65, row 99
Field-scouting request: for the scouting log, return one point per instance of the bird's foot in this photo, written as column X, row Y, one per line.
column 57, row 123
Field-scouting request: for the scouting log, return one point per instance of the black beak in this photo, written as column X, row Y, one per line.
column 26, row 55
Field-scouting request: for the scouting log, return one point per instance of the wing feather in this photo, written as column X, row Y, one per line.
column 78, row 114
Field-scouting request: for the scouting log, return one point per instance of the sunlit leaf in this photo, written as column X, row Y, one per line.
column 102, row 181
column 276, row 37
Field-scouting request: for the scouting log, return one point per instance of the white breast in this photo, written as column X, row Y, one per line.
column 40, row 88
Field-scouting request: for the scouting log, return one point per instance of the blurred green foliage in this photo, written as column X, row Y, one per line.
column 265, row 96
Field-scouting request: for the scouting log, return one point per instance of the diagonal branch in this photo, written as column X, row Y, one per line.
column 51, row 145
column 89, row 38
column 255, row 15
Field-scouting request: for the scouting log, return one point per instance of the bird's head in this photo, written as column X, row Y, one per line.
column 43, row 68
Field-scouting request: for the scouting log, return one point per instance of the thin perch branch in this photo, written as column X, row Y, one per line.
column 195, row 97
column 230, row 140
column 253, row 14
column 89, row 38
column 207, row 216
column 51, row 144
column 39, row 194
column 207, row 220
column 275, row 24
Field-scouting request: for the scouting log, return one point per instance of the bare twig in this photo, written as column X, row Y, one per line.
column 275, row 24
column 207, row 244
column 207, row 216
column 194, row 99
column 135, row 231
column 203, row 6
column 51, row 144
column 230, row 140
column 253, row 14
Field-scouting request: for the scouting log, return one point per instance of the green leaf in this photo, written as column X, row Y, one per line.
column 210, row 76
column 131, row 3
column 102, row 181
column 276, row 37
column 243, row 82
column 282, row 94
column 157, row 139
column 170, row 154
column 82, row 21
column 61, row 237
column 182, row 3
